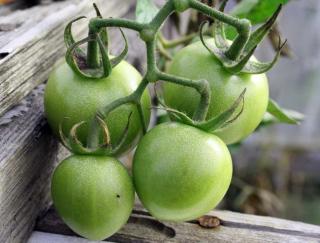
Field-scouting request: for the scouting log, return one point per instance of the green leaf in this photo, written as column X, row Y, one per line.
column 145, row 11
column 282, row 115
column 257, row 11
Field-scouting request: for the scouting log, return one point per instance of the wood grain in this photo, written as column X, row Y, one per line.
column 234, row 227
column 28, row 153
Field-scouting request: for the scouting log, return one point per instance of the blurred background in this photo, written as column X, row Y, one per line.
column 277, row 168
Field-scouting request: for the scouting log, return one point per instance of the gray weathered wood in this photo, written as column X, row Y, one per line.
column 28, row 153
column 40, row 237
column 234, row 227
column 34, row 41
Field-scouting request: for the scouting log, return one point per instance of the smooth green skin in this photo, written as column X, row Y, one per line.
column 94, row 195
column 69, row 96
column 195, row 62
column 180, row 172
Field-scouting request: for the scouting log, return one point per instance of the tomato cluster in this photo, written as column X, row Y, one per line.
column 179, row 172
column 182, row 168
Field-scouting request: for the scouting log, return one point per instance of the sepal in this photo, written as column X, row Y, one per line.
column 219, row 32
column 69, row 40
column 253, row 67
column 75, row 55
column 116, row 60
column 243, row 63
column 75, row 146
column 258, row 35
column 104, row 32
column 227, row 117
column 224, row 119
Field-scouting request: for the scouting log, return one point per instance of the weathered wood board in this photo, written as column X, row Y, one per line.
column 40, row 237
column 28, row 153
column 234, row 227
column 31, row 41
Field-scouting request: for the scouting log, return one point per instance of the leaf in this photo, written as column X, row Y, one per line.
column 244, row 7
column 145, row 11
column 257, row 11
column 282, row 115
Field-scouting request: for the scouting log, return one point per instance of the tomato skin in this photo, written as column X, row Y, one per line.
column 181, row 172
column 70, row 96
column 195, row 62
column 94, row 195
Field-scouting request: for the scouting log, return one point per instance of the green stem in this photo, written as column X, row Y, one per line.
column 162, row 15
column 149, row 32
column 211, row 12
column 202, row 86
column 93, row 135
column 151, row 60
column 141, row 116
column 97, row 23
column 93, row 52
column 239, row 43
column 174, row 43
column 242, row 26
column 164, row 52
column 134, row 98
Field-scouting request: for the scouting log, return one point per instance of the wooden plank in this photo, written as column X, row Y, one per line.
column 40, row 237
column 234, row 227
column 28, row 153
column 34, row 41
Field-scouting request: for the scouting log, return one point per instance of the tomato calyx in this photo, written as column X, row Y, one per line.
column 96, row 63
column 220, row 121
column 241, row 63
column 74, row 145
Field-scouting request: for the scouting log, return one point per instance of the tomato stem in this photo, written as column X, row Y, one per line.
column 96, row 23
column 93, row 52
column 134, row 98
column 202, row 86
column 149, row 33
column 174, row 43
column 243, row 27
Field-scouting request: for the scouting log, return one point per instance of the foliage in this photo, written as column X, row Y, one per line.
column 145, row 11
column 257, row 11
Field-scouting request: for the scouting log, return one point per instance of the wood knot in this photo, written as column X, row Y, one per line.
column 209, row 222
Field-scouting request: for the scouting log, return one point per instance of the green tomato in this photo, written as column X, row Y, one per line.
column 181, row 172
column 70, row 99
column 94, row 195
column 195, row 62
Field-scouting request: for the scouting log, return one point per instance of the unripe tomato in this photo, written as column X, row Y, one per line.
column 70, row 99
column 94, row 195
column 181, row 172
column 195, row 62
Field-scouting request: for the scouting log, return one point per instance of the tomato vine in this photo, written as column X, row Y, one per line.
column 172, row 157
column 234, row 57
